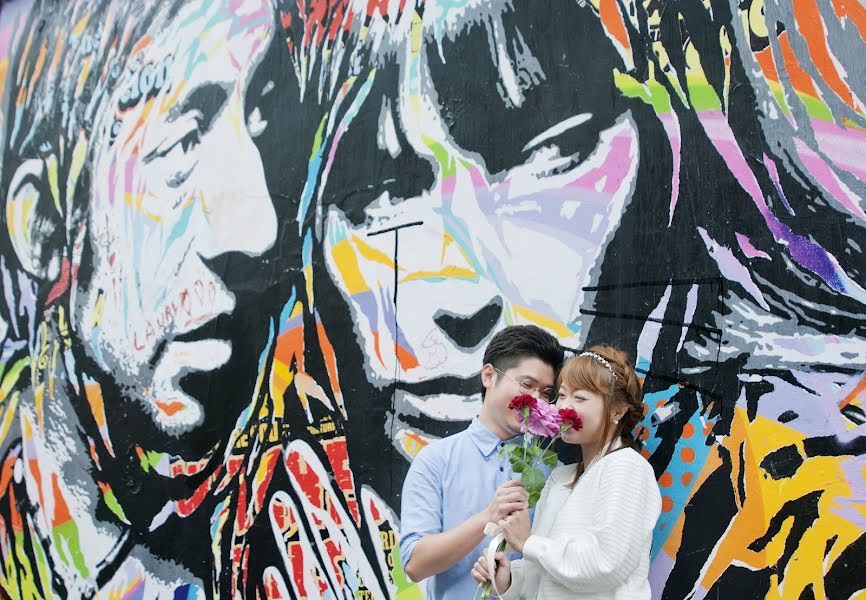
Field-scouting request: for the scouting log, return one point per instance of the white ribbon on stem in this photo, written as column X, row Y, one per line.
column 492, row 549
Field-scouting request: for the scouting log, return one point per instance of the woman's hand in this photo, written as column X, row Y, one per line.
column 516, row 528
column 481, row 574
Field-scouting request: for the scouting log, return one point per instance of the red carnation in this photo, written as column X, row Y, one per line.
column 570, row 417
column 521, row 402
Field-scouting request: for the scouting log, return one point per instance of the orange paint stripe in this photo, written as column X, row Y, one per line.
column 93, row 392
column 812, row 28
column 407, row 359
column 61, row 509
column 801, row 80
column 329, row 356
column 613, row 22
column 861, row 387
column 142, row 43
column 854, row 12
column 170, row 408
column 765, row 61
column 290, row 345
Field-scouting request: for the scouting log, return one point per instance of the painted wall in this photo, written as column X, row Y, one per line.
column 252, row 254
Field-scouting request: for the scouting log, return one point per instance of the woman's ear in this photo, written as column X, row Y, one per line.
column 35, row 221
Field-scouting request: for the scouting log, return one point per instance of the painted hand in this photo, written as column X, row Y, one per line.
column 330, row 556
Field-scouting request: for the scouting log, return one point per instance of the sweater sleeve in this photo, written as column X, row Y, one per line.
column 600, row 558
column 515, row 590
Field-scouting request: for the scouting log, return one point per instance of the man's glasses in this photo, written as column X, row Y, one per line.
column 526, row 387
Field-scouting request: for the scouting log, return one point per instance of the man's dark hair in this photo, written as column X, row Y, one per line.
column 515, row 343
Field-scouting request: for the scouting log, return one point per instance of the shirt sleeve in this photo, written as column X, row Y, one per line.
column 421, row 510
column 602, row 557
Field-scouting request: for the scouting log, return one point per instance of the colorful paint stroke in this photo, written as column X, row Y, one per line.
column 252, row 252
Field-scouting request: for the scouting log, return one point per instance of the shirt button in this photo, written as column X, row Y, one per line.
column 502, row 468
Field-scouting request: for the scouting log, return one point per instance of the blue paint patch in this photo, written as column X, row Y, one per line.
column 693, row 448
column 286, row 313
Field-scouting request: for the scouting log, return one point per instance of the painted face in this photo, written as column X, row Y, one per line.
column 593, row 413
column 178, row 186
column 507, row 233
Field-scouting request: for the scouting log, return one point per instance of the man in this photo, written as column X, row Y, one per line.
column 458, row 484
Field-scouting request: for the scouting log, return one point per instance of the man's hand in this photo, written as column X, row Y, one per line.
column 509, row 497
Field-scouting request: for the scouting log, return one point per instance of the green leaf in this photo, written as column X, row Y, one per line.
column 533, row 499
column 520, row 453
column 518, row 466
column 533, row 480
column 550, row 459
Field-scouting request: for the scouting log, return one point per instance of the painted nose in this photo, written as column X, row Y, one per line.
column 467, row 331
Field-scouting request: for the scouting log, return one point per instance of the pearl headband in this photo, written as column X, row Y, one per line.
column 601, row 359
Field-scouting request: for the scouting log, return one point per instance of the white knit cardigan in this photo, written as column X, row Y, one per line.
column 593, row 541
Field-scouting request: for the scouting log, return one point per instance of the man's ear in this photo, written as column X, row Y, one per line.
column 35, row 223
column 488, row 376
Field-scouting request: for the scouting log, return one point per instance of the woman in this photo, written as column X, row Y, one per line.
column 593, row 524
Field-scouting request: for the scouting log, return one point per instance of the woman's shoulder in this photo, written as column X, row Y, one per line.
column 630, row 459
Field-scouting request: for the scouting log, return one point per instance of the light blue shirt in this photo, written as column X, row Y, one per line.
column 449, row 481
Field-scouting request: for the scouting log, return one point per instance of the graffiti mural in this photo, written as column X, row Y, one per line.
column 253, row 250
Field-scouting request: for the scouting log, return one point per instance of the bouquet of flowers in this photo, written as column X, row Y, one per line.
column 541, row 425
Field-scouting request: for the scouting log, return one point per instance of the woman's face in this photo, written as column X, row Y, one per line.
column 593, row 412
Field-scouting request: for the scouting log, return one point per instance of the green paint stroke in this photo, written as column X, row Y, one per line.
column 66, row 537
column 113, row 505
column 704, row 97
column 149, row 459
column 445, row 160
column 406, row 588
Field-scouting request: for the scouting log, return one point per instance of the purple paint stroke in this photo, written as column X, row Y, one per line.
column 774, row 176
column 849, row 508
column 389, row 316
column 366, row 302
column 805, row 252
column 732, row 268
column 660, row 570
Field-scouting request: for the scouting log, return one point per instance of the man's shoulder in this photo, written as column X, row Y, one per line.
column 442, row 447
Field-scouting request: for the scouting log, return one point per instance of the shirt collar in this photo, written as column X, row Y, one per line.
column 485, row 440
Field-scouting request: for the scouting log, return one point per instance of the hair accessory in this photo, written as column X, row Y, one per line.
column 600, row 359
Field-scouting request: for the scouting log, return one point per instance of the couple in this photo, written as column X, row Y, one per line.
column 593, row 525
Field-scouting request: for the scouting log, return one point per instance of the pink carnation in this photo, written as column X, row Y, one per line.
column 543, row 419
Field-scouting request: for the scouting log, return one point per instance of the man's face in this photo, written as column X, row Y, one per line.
column 529, row 375
column 509, row 231
column 177, row 187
